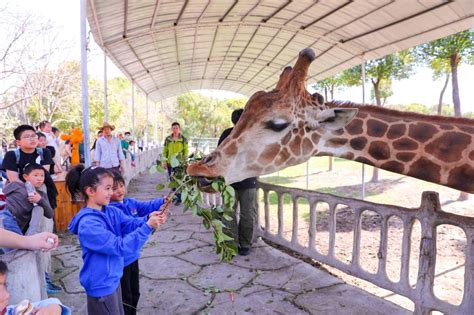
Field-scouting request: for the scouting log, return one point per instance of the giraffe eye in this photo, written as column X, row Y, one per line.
column 277, row 125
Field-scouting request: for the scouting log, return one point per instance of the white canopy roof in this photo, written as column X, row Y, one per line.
column 169, row 47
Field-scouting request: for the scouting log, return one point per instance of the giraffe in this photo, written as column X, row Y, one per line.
column 288, row 125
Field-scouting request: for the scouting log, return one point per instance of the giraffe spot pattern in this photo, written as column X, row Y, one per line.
column 448, row 147
column 364, row 160
column 405, row 156
column 347, row 156
column 295, row 146
column 471, row 155
column 379, row 150
column 307, row 146
column 446, row 127
column 355, row 127
column 358, row 143
column 467, row 129
column 282, row 157
column 405, row 144
column 336, row 142
column 337, row 132
column 269, row 153
column 286, row 138
column 376, row 128
column 393, row 166
column 315, row 138
column 462, row 177
column 421, row 132
column 231, row 149
column 425, row 169
column 396, row 131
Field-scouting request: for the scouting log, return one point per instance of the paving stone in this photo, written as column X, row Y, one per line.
column 265, row 258
column 58, row 271
column 223, row 277
column 184, row 219
column 72, row 259
column 169, row 297
column 202, row 256
column 166, row 249
column 162, row 268
column 64, row 249
column 71, row 283
column 346, row 299
column 204, row 237
column 195, row 227
column 167, row 236
column 297, row 278
column 268, row 301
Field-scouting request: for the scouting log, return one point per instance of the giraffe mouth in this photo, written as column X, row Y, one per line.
column 205, row 184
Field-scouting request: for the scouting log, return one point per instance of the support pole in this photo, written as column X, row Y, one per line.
column 362, row 193
column 85, row 100
column 155, row 127
column 146, row 124
column 106, row 105
column 133, row 110
column 307, row 174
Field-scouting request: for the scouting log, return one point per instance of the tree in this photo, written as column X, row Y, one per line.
column 452, row 51
column 380, row 73
column 328, row 85
column 449, row 51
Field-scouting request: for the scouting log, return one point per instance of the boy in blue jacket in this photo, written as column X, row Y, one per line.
column 130, row 281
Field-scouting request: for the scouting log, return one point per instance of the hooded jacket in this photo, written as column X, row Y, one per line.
column 108, row 239
column 136, row 208
column 18, row 204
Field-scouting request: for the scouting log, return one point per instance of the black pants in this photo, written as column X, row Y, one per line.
column 106, row 305
column 130, row 284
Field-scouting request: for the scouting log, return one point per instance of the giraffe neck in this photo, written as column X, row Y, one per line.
column 431, row 148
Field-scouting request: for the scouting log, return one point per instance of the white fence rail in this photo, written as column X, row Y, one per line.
column 429, row 214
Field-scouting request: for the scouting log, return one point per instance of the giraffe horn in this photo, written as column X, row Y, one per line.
column 300, row 71
column 284, row 78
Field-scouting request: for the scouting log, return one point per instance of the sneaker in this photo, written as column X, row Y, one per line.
column 51, row 288
column 244, row 251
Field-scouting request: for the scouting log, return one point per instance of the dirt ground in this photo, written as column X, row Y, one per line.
column 391, row 189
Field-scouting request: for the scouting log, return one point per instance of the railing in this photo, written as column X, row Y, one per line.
column 204, row 145
column 26, row 279
column 429, row 214
column 143, row 161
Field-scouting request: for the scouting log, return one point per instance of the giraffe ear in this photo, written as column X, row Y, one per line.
column 332, row 118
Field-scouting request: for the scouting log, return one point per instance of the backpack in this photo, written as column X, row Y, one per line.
column 39, row 151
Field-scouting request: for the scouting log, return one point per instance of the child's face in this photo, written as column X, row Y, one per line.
column 119, row 192
column 103, row 192
column 42, row 142
column 4, row 295
column 28, row 140
column 36, row 177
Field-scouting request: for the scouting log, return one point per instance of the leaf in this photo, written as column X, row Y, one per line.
column 215, row 185
column 184, row 196
column 230, row 190
column 160, row 169
column 159, row 187
column 173, row 184
column 227, row 217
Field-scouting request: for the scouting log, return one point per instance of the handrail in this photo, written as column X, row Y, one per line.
column 429, row 214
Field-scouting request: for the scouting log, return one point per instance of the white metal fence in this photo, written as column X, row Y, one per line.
column 429, row 215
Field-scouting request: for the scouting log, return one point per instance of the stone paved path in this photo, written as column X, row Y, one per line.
column 180, row 274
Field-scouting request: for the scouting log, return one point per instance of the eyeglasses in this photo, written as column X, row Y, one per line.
column 33, row 136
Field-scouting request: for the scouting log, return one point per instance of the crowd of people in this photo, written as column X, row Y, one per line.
column 111, row 228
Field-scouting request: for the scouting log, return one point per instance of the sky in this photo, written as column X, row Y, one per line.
column 419, row 88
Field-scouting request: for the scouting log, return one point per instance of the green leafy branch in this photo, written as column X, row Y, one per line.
column 216, row 218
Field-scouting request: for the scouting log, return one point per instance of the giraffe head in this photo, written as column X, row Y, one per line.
column 275, row 130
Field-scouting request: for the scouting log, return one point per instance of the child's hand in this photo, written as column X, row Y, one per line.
column 34, row 198
column 157, row 218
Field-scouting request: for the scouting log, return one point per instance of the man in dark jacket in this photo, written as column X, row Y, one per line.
column 246, row 197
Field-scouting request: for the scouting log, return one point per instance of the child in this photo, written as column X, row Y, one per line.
column 109, row 239
column 27, row 153
column 134, row 208
column 19, row 204
column 48, row 306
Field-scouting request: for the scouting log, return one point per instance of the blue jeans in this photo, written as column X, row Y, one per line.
column 9, row 223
